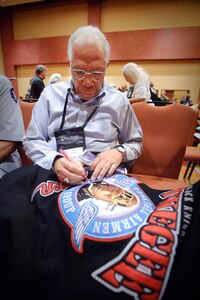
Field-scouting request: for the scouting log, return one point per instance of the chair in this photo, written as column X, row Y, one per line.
column 26, row 109
column 192, row 155
column 167, row 130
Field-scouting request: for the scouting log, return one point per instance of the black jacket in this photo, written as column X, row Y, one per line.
column 37, row 87
column 55, row 243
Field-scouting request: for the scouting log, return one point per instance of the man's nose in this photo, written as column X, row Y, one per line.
column 88, row 80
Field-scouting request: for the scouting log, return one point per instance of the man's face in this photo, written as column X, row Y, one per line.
column 89, row 58
column 43, row 74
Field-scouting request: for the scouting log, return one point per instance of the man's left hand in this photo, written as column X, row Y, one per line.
column 106, row 163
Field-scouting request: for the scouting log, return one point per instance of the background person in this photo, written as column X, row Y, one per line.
column 186, row 101
column 11, row 127
column 152, row 88
column 28, row 93
column 154, row 96
column 139, row 80
column 196, row 107
column 84, row 113
column 37, row 84
column 54, row 78
column 124, row 89
column 163, row 96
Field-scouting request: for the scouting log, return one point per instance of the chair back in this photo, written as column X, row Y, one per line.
column 26, row 108
column 166, row 133
column 193, row 128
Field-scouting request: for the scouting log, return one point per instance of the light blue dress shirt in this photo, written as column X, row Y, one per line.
column 114, row 122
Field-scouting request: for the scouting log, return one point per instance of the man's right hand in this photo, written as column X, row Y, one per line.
column 69, row 172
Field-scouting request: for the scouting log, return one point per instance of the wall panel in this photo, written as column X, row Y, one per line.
column 49, row 22
column 126, row 15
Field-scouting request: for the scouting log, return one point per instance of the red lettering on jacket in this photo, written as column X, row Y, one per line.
column 48, row 188
column 141, row 271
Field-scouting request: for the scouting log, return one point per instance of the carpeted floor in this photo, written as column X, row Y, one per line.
column 195, row 175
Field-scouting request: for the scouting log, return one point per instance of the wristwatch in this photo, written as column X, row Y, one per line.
column 122, row 150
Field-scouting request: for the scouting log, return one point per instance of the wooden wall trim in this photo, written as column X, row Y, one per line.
column 40, row 51
column 94, row 13
column 158, row 44
column 155, row 44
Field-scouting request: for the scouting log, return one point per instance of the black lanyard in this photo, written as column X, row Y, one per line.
column 89, row 117
column 130, row 92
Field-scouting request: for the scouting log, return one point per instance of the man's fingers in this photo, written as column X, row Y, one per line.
column 104, row 169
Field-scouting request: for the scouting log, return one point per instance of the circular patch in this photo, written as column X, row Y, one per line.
column 106, row 210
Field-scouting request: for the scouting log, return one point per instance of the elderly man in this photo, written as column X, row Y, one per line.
column 123, row 240
column 84, row 113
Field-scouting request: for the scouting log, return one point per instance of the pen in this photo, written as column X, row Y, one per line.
column 72, row 161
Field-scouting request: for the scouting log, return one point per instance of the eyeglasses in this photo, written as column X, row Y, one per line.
column 81, row 74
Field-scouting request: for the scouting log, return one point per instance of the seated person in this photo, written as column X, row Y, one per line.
column 114, row 238
column 54, row 78
column 139, row 89
column 28, row 93
column 163, row 96
column 84, row 113
column 12, row 127
column 196, row 107
column 186, row 101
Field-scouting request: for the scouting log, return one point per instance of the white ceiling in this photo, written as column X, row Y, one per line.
column 4, row 3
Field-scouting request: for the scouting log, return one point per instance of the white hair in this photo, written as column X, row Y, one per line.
column 55, row 77
column 93, row 34
column 136, row 73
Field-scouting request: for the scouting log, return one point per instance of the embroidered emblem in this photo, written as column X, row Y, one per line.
column 103, row 211
column 13, row 95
